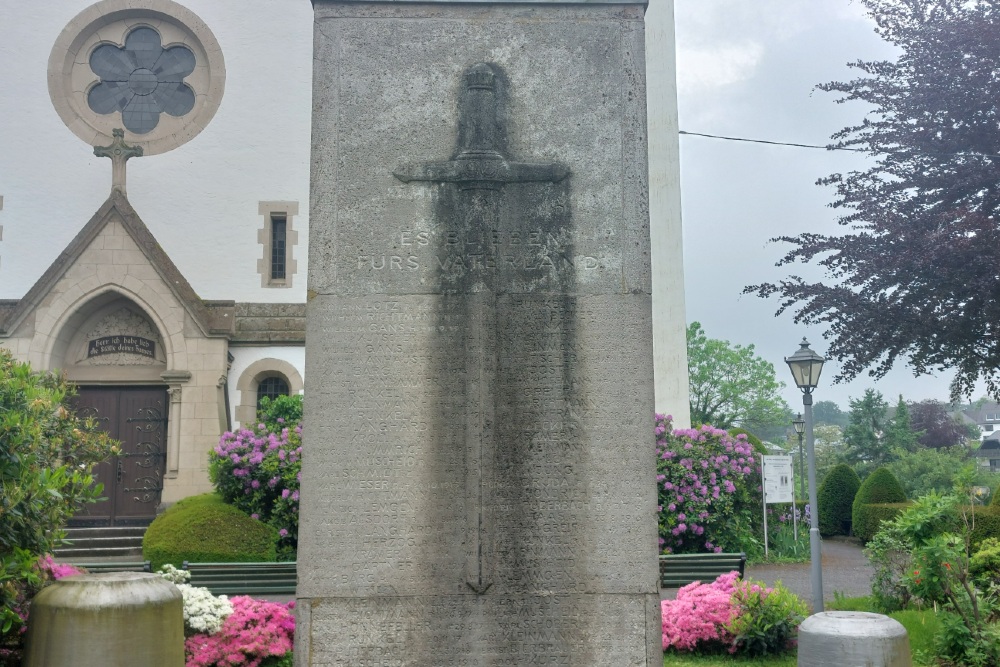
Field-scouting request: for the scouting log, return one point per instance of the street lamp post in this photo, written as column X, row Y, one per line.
column 799, row 424
column 806, row 366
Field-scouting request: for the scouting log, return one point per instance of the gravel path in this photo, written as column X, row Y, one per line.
column 845, row 570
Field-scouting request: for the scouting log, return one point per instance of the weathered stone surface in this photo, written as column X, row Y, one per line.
column 480, row 486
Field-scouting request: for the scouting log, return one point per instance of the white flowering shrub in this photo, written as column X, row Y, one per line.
column 173, row 575
column 204, row 613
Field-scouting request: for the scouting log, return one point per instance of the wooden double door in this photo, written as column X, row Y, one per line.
column 133, row 480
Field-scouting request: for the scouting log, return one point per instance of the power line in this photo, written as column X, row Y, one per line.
column 826, row 148
column 765, row 141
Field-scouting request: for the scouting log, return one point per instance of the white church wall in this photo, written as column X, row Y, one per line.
column 669, row 319
column 201, row 199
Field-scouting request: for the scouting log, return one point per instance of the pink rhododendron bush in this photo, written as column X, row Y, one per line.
column 256, row 634
column 729, row 614
column 709, row 490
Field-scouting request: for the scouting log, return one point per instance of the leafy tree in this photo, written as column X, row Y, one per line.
column 46, row 458
column 912, row 277
column 899, row 435
column 864, row 434
column 938, row 427
column 929, row 470
column 828, row 412
column 731, row 386
column 830, row 448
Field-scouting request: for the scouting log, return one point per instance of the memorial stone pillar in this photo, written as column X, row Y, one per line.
column 479, row 484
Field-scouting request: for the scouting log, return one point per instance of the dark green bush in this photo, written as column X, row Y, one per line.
column 836, row 500
column 206, row 529
column 987, row 523
column 866, row 522
column 880, row 487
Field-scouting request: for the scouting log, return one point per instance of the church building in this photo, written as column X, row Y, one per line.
column 154, row 180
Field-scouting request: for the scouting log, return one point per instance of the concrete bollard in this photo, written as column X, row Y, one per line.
column 853, row 639
column 112, row 619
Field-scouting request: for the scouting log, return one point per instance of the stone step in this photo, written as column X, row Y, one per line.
column 71, row 555
column 104, row 541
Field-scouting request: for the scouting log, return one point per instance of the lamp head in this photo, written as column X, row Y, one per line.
column 806, row 366
column 799, row 424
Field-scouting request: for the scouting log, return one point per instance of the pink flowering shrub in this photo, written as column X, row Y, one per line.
column 707, row 480
column 56, row 571
column 257, row 634
column 258, row 470
column 742, row 617
column 698, row 617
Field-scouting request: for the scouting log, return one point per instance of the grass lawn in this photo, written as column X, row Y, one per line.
column 684, row 660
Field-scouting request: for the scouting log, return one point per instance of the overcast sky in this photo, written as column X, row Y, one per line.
column 748, row 69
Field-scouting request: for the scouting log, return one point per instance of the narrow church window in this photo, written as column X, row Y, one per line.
column 278, row 237
column 278, row 240
column 271, row 387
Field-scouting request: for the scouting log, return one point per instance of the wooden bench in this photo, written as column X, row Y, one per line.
column 122, row 566
column 244, row 578
column 678, row 570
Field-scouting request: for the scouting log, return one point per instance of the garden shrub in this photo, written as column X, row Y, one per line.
column 709, row 490
column 766, row 619
column 205, row 529
column 888, row 551
column 47, row 455
column 699, row 615
column 256, row 634
column 258, row 470
column 741, row 617
column 874, row 517
column 984, row 564
column 987, row 523
column 878, row 488
column 939, row 530
column 835, row 498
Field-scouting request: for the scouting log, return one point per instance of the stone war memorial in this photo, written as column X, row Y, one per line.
column 480, row 486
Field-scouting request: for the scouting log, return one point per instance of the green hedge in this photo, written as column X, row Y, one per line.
column 987, row 523
column 836, row 500
column 879, row 488
column 206, row 529
column 872, row 517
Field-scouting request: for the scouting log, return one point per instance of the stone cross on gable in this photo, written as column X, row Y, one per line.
column 119, row 152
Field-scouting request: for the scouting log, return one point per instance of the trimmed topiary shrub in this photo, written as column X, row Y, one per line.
column 206, row 529
column 874, row 516
column 880, row 487
column 836, row 500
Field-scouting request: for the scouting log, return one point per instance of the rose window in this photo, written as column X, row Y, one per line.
column 141, row 80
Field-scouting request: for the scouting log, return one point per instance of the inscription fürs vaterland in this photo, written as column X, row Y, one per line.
column 480, row 488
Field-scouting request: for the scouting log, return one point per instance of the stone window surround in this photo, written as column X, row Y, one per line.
column 268, row 210
column 246, row 410
column 107, row 22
